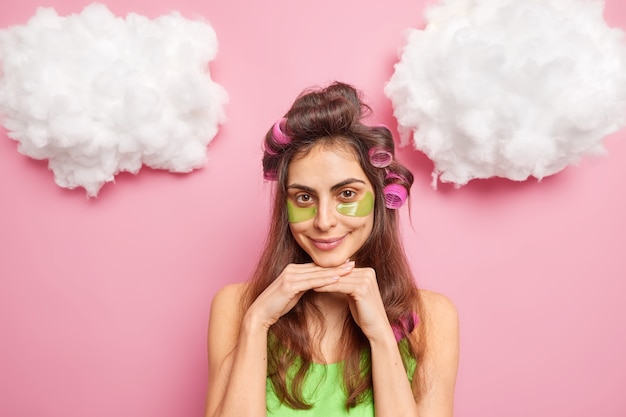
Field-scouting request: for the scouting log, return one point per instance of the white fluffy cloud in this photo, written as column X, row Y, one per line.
column 510, row 88
column 95, row 94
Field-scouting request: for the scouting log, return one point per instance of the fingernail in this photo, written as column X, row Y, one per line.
column 349, row 265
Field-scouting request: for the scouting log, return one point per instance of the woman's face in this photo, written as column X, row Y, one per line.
column 330, row 203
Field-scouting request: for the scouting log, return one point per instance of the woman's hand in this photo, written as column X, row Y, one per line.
column 282, row 294
column 366, row 304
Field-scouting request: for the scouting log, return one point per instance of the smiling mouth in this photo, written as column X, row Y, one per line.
column 327, row 244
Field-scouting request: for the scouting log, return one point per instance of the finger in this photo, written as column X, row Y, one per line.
column 355, row 286
column 298, row 278
column 337, row 286
column 312, row 282
column 306, row 271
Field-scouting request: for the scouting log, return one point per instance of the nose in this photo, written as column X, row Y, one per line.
column 326, row 216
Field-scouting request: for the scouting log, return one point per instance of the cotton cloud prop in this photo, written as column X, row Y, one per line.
column 96, row 94
column 509, row 88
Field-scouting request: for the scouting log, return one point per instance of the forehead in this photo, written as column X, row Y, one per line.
column 324, row 166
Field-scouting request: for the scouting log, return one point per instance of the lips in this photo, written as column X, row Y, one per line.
column 327, row 244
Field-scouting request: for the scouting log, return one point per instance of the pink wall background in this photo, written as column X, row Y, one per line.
column 104, row 302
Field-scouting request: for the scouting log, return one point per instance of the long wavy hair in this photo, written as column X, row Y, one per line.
column 332, row 117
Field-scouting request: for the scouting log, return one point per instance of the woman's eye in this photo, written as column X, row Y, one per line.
column 303, row 199
column 348, row 194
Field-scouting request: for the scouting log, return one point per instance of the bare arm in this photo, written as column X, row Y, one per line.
column 441, row 361
column 438, row 368
column 237, row 363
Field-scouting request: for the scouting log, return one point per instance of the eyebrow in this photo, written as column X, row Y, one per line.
column 333, row 188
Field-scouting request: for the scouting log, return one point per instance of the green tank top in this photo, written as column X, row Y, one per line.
column 323, row 387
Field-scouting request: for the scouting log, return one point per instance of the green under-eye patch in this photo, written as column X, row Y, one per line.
column 359, row 208
column 300, row 214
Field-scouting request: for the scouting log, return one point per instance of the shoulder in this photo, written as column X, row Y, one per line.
column 225, row 320
column 230, row 293
column 440, row 318
column 437, row 306
column 226, row 305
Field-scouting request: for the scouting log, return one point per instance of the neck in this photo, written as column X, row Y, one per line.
column 334, row 306
column 328, row 333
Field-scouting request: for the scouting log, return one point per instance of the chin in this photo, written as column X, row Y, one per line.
column 330, row 261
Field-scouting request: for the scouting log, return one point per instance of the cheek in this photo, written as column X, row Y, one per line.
column 369, row 224
column 360, row 224
column 297, row 229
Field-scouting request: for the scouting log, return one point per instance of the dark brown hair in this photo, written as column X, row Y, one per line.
column 332, row 117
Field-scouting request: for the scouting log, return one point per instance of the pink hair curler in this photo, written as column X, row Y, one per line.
column 380, row 157
column 277, row 133
column 395, row 195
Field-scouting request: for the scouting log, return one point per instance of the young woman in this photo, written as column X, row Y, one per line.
column 332, row 323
